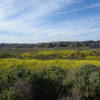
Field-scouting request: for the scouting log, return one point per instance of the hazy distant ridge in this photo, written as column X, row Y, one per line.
column 53, row 45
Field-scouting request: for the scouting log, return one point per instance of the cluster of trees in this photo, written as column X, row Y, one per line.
column 56, row 45
column 51, row 83
column 56, row 54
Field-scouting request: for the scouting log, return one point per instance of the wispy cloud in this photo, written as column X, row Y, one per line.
column 22, row 12
column 27, row 21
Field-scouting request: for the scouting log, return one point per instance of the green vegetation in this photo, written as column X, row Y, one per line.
column 55, row 54
column 84, row 83
column 36, row 64
column 51, row 83
column 50, row 75
column 52, row 45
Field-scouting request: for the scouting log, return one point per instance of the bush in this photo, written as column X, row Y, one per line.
column 9, row 76
column 50, row 83
column 23, row 84
column 23, row 88
column 47, row 83
column 10, row 95
column 84, row 83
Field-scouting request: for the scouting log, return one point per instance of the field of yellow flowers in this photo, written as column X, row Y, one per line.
column 35, row 64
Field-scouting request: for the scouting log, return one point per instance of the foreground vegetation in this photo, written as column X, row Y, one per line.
column 50, row 75
column 53, row 83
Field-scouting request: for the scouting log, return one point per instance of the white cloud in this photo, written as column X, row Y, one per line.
column 26, row 17
column 28, row 12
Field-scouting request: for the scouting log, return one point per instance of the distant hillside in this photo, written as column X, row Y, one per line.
column 52, row 45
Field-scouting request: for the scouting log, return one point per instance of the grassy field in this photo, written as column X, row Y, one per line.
column 67, row 59
column 50, row 75
column 35, row 64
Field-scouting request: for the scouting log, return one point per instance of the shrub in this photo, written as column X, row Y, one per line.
column 23, row 88
column 10, row 95
column 9, row 76
column 84, row 83
column 47, row 84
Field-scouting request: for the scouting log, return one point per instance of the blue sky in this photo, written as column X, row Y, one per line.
column 33, row 21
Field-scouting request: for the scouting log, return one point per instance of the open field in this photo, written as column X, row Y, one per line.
column 50, row 75
column 67, row 59
column 52, row 54
column 35, row 64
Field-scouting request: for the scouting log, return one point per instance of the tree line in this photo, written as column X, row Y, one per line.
column 56, row 45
